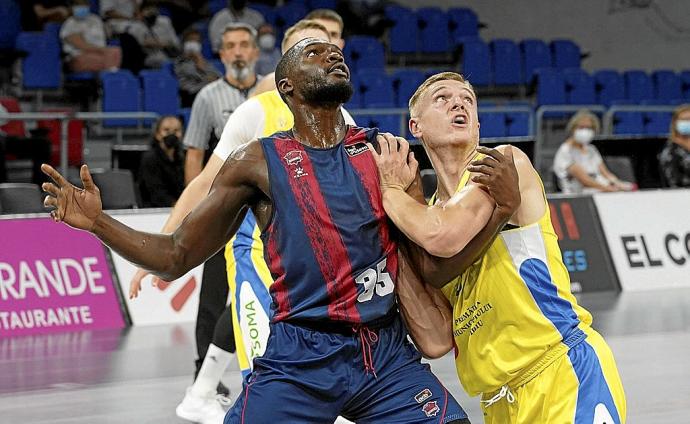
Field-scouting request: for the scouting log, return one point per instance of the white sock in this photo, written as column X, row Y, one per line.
column 212, row 369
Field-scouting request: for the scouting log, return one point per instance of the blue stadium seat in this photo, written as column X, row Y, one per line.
column 160, row 92
column 385, row 123
column 492, row 124
column 95, row 7
column 638, row 86
column 323, row 4
column 535, row 55
column 462, row 22
column 288, row 15
column 657, row 123
column 476, row 63
column 565, row 54
column 550, row 87
column 405, row 83
column 214, row 6
column 184, row 115
column 42, row 67
column 376, row 88
column 628, row 123
column 609, row 86
column 268, row 12
column 356, row 99
column 364, row 52
column 10, row 19
column 579, row 87
column 402, row 37
column 517, row 124
column 433, row 30
column 685, row 85
column 121, row 93
column 667, row 85
column 218, row 64
column 505, row 62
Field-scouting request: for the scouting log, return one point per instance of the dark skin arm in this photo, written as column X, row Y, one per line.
column 242, row 182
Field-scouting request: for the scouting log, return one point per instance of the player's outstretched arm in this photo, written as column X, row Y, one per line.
column 426, row 312
column 200, row 235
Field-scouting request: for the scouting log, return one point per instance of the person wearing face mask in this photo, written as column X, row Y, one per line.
column 84, row 41
column 156, row 36
column 236, row 12
column 674, row 160
column 161, row 173
column 193, row 71
column 578, row 165
column 270, row 54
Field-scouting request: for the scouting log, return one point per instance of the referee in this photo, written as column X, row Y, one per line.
column 211, row 108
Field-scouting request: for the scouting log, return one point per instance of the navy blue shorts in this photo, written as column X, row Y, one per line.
column 369, row 376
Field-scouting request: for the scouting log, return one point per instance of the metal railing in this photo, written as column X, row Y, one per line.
column 65, row 117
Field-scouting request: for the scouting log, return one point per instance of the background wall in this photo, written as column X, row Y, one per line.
column 619, row 34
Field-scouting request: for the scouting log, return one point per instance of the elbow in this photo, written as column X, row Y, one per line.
column 435, row 351
column 444, row 244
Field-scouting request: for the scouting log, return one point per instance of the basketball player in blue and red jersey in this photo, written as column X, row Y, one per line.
column 337, row 344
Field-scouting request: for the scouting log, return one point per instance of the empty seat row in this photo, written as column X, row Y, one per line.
column 154, row 91
column 429, row 29
column 647, row 123
column 609, row 87
column 504, row 62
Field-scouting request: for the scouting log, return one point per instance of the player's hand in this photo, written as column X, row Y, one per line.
column 135, row 282
column 499, row 177
column 72, row 205
column 397, row 165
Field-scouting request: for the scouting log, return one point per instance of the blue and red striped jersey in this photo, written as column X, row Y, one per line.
column 329, row 244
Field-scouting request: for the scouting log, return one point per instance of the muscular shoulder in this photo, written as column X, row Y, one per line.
column 522, row 162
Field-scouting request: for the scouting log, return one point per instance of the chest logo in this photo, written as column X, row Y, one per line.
column 294, row 159
column 356, row 149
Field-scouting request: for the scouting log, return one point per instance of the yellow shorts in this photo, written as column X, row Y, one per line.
column 582, row 386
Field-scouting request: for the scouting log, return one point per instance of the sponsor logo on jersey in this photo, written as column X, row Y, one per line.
column 423, row 395
column 431, row 408
column 293, row 159
column 356, row 149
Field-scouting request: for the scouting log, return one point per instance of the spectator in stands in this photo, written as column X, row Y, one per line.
column 83, row 41
column 37, row 148
column 156, row 35
column 218, row 100
column 333, row 23
column 36, row 13
column 237, row 11
column 193, row 71
column 119, row 14
column 365, row 17
column 674, row 160
column 269, row 53
column 578, row 165
column 161, row 173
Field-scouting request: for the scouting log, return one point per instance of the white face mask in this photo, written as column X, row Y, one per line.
column 267, row 42
column 583, row 136
column 192, row 47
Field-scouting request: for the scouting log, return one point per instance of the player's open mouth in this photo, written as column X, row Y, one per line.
column 459, row 120
column 339, row 68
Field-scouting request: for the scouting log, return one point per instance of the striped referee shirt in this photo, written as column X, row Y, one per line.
column 211, row 108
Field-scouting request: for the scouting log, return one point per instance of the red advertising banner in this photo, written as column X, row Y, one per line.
column 53, row 279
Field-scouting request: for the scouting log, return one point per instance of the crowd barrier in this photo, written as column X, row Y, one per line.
column 56, row 279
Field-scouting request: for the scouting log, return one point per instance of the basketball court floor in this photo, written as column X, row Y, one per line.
column 139, row 375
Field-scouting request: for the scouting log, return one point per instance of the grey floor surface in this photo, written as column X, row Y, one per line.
column 139, row 375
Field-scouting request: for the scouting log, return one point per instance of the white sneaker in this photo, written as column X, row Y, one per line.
column 204, row 410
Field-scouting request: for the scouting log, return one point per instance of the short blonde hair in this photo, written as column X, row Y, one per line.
column 579, row 115
column 326, row 15
column 302, row 25
column 442, row 76
column 676, row 114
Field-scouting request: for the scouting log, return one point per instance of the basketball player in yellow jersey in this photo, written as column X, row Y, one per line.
column 519, row 337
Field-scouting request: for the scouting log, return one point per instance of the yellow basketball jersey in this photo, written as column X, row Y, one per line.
column 513, row 311
column 244, row 256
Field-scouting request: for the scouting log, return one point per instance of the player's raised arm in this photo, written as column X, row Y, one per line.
column 240, row 183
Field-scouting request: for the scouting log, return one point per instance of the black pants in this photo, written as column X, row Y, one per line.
column 213, row 321
column 37, row 149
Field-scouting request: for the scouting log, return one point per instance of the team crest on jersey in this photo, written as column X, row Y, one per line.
column 356, row 149
column 293, row 159
column 431, row 408
column 423, row 395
